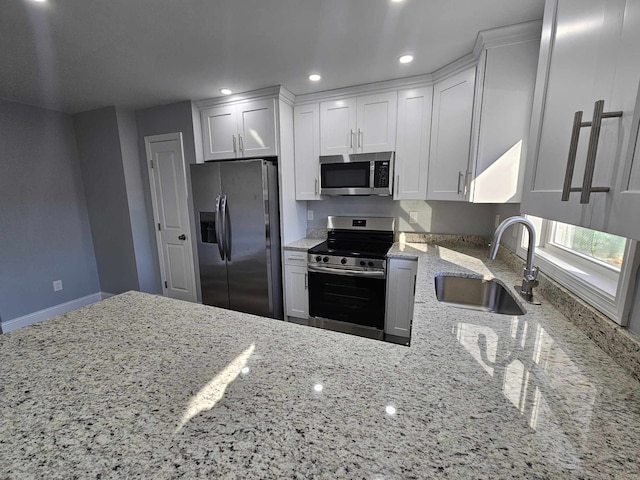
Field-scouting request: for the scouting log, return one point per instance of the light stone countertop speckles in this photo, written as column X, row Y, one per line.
column 303, row 244
column 141, row 386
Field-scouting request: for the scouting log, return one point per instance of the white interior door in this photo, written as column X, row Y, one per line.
column 169, row 196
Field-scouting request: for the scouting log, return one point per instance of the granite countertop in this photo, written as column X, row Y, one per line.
column 142, row 386
column 303, row 244
column 407, row 251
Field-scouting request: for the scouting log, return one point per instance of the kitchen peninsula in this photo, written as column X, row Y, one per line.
column 144, row 386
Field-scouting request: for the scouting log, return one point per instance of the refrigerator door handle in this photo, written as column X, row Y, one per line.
column 225, row 233
column 219, row 228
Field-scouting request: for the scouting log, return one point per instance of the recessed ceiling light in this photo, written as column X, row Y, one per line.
column 226, row 91
column 39, row 1
column 397, row 1
column 406, row 59
column 314, row 77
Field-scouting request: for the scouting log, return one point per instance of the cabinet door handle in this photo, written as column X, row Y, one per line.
column 234, row 143
column 459, row 178
column 316, row 187
column 571, row 160
column 598, row 115
column 241, row 143
column 398, row 184
column 306, row 281
column 359, row 136
column 351, row 139
column 587, row 189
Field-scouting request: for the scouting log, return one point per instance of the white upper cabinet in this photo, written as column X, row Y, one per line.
column 376, row 122
column 256, row 128
column 219, row 132
column 337, row 127
column 572, row 166
column 358, row 125
column 614, row 214
column 412, row 143
column 451, row 136
column 502, row 114
column 241, row 130
column 306, row 128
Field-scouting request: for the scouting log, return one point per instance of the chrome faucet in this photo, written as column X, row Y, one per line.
column 530, row 274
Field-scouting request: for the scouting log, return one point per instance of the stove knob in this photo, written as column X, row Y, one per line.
column 325, row 259
column 371, row 264
column 362, row 263
column 318, row 258
column 343, row 261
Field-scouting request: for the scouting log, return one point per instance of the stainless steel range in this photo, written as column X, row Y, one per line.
column 347, row 275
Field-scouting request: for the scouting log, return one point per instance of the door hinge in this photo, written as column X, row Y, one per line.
column 165, row 284
column 151, row 163
column 159, row 229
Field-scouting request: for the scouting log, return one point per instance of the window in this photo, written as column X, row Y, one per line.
column 589, row 263
column 602, row 248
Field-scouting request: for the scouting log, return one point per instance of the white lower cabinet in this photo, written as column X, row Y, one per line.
column 296, row 283
column 401, row 290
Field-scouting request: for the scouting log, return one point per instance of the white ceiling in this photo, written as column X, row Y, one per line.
column 76, row 55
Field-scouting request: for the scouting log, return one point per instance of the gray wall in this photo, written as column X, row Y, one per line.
column 175, row 117
column 433, row 216
column 44, row 226
column 143, row 239
column 505, row 211
column 98, row 141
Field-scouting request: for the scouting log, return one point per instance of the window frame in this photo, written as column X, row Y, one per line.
column 592, row 280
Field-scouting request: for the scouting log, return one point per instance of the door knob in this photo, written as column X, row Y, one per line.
column 182, row 237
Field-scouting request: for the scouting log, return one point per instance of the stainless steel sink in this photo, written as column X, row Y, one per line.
column 476, row 294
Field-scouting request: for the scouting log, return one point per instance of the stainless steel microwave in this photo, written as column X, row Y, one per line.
column 357, row 174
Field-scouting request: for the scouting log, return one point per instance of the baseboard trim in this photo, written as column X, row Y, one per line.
column 104, row 295
column 50, row 312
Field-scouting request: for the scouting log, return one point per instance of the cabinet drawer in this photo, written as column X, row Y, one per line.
column 295, row 257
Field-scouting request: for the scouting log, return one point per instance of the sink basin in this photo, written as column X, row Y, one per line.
column 476, row 294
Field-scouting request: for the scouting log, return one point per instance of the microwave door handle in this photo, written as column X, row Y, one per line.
column 372, row 175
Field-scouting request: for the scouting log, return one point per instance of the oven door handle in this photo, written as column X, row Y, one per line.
column 347, row 273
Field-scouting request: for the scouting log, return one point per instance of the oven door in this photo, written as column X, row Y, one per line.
column 345, row 178
column 348, row 296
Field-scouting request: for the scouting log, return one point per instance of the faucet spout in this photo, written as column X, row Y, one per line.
column 530, row 274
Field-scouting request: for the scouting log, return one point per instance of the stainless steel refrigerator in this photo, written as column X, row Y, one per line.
column 236, row 210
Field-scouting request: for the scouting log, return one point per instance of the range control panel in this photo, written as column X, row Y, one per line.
column 352, row 263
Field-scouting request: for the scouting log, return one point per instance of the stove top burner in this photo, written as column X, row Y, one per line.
column 350, row 251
